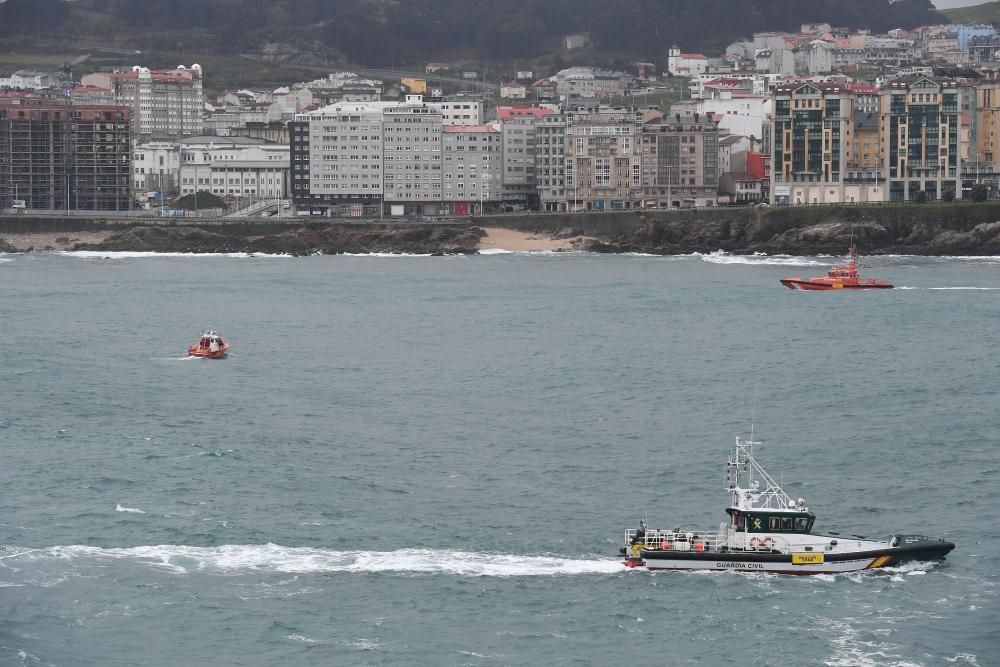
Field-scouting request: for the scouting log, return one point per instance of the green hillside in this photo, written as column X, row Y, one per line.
column 987, row 13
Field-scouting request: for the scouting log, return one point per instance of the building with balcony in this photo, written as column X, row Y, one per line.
column 679, row 162
column 921, row 135
column 163, row 103
column 810, row 131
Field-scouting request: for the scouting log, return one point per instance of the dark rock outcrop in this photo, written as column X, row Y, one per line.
column 6, row 247
column 328, row 240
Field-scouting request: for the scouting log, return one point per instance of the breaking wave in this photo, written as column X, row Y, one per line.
column 230, row 559
column 133, row 254
column 721, row 257
column 132, row 510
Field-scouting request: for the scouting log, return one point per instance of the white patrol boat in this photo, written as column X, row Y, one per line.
column 768, row 531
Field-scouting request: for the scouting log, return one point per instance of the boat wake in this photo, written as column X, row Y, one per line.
column 237, row 558
column 974, row 289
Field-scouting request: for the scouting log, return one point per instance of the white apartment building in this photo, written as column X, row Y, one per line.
column 459, row 112
column 412, row 158
column 164, row 103
column 471, row 164
column 370, row 158
column 156, row 167
column 233, row 167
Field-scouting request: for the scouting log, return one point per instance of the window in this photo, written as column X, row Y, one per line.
column 774, row 523
column 786, row 523
column 801, row 523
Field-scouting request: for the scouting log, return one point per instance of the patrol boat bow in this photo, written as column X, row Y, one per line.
column 768, row 531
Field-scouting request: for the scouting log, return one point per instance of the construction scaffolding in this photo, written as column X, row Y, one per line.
column 64, row 157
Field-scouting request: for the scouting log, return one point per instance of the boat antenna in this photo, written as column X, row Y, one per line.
column 753, row 413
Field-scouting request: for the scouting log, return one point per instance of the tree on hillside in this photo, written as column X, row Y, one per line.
column 16, row 15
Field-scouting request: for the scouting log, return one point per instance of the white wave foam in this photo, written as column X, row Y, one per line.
column 495, row 251
column 721, row 257
column 299, row 560
column 383, row 254
column 986, row 289
column 130, row 254
column 133, row 510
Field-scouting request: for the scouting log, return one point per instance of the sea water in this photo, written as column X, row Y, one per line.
column 433, row 460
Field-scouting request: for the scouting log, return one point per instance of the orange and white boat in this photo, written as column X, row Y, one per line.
column 210, row 346
column 841, row 276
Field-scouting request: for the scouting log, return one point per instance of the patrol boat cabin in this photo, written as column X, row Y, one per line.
column 768, row 531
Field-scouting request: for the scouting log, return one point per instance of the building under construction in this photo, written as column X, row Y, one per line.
column 55, row 156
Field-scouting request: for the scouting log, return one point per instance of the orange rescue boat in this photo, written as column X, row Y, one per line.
column 210, row 346
column 841, row 276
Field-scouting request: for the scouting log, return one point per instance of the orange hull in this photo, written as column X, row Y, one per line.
column 820, row 284
column 841, row 276
column 195, row 351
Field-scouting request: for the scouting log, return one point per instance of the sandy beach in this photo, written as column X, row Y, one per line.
column 53, row 240
column 498, row 238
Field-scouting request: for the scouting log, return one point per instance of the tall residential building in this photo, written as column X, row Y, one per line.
column 987, row 124
column 471, row 165
column 337, row 157
column 679, row 161
column 550, row 161
column 373, row 158
column 412, row 158
column 518, row 127
column 164, row 103
column 810, row 133
column 603, row 159
column 58, row 157
column 921, row 134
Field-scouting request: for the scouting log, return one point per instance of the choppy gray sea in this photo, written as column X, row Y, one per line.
column 432, row 460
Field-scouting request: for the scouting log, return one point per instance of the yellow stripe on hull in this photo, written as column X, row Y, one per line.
column 881, row 561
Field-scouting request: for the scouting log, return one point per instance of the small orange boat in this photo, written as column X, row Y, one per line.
column 841, row 276
column 210, row 346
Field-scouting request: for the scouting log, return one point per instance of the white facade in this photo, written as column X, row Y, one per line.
column 458, row 112
column 164, row 103
column 740, row 115
column 235, row 170
column 685, row 64
column 27, row 80
column 156, row 167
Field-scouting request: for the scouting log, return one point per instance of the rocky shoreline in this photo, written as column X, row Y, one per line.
column 330, row 240
column 907, row 231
